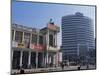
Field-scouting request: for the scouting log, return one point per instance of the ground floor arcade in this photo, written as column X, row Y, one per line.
column 27, row 58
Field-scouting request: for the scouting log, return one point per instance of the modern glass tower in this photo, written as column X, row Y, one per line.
column 77, row 36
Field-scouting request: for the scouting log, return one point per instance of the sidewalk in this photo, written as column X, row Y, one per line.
column 52, row 69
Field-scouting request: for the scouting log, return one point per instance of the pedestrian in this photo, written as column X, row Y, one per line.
column 87, row 66
column 22, row 71
column 79, row 67
column 62, row 65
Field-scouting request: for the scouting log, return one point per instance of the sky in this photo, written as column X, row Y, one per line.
column 37, row 15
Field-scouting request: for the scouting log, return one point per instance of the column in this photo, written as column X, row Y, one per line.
column 36, row 59
column 43, row 62
column 12, row 55
column 37, row 51
column 54, row 59
column 58, row 58
column 29, row 60
column 47, row 46
column 12, row 59
column 45, row 58
column 21, row 58
column 56, row 39
column 49, row 59
column 23, row 38
column 14, row 35
column 30, row 39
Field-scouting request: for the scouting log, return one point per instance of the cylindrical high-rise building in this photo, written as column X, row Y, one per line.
column 77, row 35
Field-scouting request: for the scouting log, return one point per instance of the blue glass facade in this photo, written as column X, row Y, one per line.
column 77, row 30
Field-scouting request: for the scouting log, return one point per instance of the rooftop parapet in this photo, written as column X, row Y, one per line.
column 17, row 26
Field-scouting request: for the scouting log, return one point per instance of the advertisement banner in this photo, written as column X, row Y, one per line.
column 37, row 47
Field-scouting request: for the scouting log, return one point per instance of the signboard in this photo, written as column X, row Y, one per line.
column 53, row 27
column 14, row 44
column 52, row 48
column 20, row 45
column 37, row 47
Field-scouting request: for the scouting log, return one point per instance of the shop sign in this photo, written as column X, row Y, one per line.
column 37, row 47
column 20, row 45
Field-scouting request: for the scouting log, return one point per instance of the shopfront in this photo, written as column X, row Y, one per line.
column 27, row 58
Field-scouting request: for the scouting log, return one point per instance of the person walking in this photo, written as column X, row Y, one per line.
column 22, row 71
column 87, row 66
column 62, row 65
column 79, row 67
